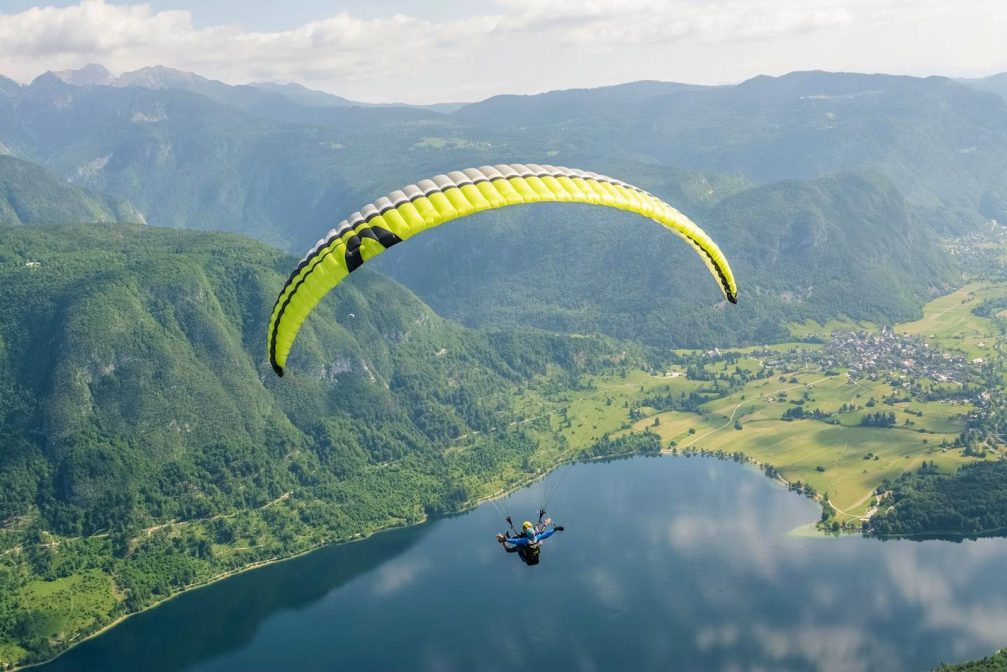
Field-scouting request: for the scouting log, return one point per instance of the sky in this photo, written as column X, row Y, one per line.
column 454, row 51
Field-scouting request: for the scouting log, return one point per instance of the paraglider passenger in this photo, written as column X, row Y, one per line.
column 528, row 543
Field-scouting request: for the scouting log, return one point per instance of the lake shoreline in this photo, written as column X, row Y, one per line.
column 665, row 452
column 679, row 546
column 259, row 564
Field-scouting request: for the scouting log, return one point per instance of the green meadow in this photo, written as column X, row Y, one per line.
column 835, row 455
column 950, row 323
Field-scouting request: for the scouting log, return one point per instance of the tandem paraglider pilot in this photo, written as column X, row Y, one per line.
column 528, row 542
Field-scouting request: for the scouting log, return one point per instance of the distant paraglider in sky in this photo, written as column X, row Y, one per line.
column 429, row 203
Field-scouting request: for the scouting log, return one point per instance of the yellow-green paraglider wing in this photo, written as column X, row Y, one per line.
column 428, row 203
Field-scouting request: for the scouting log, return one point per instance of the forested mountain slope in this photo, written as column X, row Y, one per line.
column 996, row 83
column 939, row 142
column 147, row 445
column 132, row 363
column 31, row 195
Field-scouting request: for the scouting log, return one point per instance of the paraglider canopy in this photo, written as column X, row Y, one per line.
column 429, row 203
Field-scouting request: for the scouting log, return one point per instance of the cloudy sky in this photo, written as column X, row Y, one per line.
column 450, row 50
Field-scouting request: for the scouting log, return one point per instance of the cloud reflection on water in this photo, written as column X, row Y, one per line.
column 666, row 564
column 840, row 595
column 398, row 575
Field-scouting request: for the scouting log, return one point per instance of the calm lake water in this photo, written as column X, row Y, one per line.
column 666, row 564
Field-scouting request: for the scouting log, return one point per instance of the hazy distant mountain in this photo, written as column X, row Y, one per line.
column 941, row 143
column 312, row 98
column 92, row 74
column 562, row 106
column 284, row 102
column 994, row 83
column 183, row 159
column 8, row 86
column 161, row 77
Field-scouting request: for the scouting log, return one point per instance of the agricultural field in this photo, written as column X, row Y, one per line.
column 810, row 328
column 949, row 323
column 846, row 461
column 827, row 447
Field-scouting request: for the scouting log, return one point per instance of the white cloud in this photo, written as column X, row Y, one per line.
column 520, row 45
column 616, row 24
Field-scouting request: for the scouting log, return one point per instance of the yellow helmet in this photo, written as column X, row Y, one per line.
column 526, row 525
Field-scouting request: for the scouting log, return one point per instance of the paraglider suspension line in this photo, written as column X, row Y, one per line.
column 550, row 486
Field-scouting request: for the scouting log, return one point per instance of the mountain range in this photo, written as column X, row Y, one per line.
column 922, row 156
column 265, row 98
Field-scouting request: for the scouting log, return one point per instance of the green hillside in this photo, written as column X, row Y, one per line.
column 145, row 439
column 967, row 504
column 31, row 195
column 188, row 161
column 940, row 142
column 146, row 346
column 995, row 663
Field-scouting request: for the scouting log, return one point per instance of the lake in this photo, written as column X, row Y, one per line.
column 666, row 564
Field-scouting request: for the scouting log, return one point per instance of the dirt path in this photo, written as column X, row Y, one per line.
column 509, row 424
column 282, row 498
column 798, row 387
column 717, row 429
column 171, row 523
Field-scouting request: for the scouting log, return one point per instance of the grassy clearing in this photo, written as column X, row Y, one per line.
column 10, row 651
column 810, row 328
column 949, row 323
column 59, row 610
column 578, row 418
